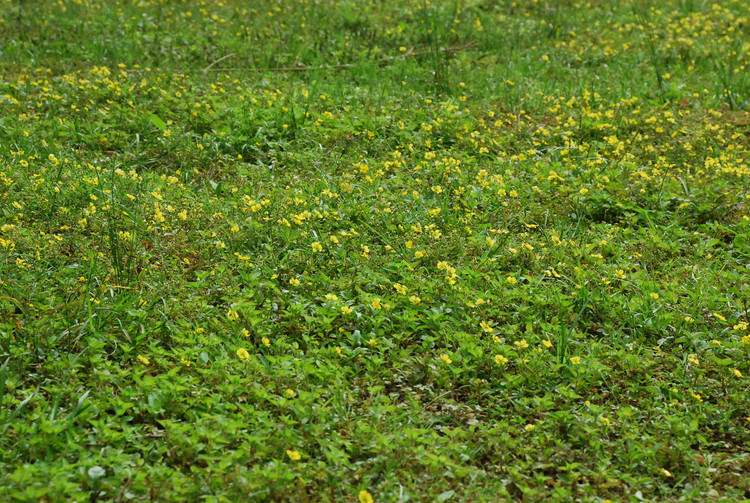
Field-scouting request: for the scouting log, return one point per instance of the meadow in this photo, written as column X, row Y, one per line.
column 374, row 251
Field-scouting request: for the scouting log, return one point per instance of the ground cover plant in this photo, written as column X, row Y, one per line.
column 374, row 251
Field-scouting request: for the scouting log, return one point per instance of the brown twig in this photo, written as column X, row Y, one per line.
column 409, row 54
column 218, row 61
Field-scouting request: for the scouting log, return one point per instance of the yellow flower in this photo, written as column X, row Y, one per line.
column 575, row 360
column 243, row 354
column 293, row 455
column 346, row 310
column 547, row 344
column 143, row 359
column 294, row 282
column 317, row 247
column 529, row 427
column 655, row 296
column 414, row 299
column 265, row 341
column 511, row 280
column 446, row 359
column 500, row 360
column 365, row 497
column 400, row 288
column 376, row 304
column 486, row 326
column 693, row 359
column 737, row 373
column 522, row 344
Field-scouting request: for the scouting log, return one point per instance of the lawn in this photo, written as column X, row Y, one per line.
column 374, row 251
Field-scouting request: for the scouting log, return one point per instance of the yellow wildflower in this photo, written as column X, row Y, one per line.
column 522, row 344
column 500, row 360
column 293, row 455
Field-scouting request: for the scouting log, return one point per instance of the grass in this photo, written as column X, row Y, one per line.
column 389, row 251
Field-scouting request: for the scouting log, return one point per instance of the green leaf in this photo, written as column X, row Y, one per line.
column 96, row 472
column 3, row 376
column 158, row 123
column 445, row 496
column 80, row 406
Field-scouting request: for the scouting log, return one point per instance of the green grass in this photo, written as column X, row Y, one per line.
column 399, row 250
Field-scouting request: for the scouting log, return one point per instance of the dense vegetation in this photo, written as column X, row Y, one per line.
column 374, row 251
